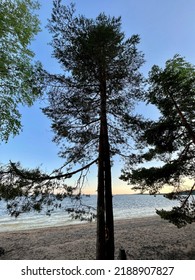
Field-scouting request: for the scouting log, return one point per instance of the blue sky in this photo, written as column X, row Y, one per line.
column 166, row 27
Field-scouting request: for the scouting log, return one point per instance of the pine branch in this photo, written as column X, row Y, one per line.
column 43, row 178
column 188, row 196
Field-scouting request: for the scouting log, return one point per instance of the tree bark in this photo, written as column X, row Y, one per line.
column 105, row 223
column 100, row 241
column 109, row 206
column 184, row 121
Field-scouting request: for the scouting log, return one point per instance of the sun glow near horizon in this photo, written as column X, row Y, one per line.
column 119, row 188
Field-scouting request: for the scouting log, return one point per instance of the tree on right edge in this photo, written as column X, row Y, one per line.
column 170, row 140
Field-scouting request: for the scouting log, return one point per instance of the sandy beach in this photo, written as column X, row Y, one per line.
column 143, row 238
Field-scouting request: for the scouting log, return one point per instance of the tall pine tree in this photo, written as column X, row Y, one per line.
column 91, row 104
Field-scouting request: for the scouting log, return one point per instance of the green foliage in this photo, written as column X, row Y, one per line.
column 20, row 81
column 179, row 216
column 27, row 190
column 90, row 51
column 170, row 140
column 176, row 81
column 82, row 214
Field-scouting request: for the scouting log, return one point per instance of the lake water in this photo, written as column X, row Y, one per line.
column 125, row 207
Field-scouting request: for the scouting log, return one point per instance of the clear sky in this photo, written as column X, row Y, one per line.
column 166, row 28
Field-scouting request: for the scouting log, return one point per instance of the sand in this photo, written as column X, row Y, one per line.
column 143, row 238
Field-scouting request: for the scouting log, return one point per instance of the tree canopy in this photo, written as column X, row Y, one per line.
column 19, row 77
column 170, row 140
column 87, row 49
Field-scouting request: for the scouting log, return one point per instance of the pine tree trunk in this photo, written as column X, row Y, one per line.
column 105, row 224
column 109, row 209
column 184, row 121
column 100, row 241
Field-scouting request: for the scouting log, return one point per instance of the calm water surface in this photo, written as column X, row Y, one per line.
column 125, row 207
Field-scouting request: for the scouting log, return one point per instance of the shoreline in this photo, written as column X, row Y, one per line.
column 14, row 227
column 142, row 238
